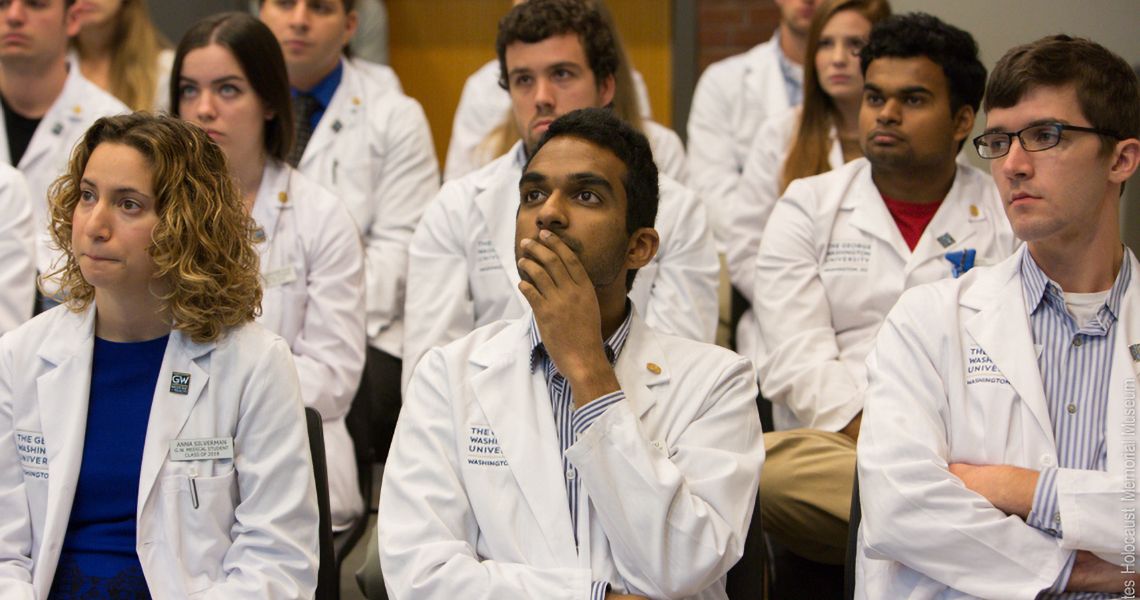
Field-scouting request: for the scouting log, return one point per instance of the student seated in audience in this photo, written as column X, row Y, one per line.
column 800, row 142
column 574, row 452
column 841, row 247
column 363, row 139
column 47, row 105
column 483, row 120
column 119, row 49
column 152, row 437
column 229, row 79
column 999, row 444
column 733, row 98
column 555, row 56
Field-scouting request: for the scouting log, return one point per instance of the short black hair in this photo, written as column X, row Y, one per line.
column 599, row 126
column 919, row 34
column 536, row 20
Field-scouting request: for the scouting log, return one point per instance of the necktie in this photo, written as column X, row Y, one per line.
column 304, row 106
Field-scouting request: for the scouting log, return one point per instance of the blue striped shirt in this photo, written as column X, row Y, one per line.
column 571, row 423
column 1075, row 364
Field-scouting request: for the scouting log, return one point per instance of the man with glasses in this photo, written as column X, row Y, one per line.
column 840, row 248
column 999, row 457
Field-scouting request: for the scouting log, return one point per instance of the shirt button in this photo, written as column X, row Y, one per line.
column 1072, row 408
column 570, row 474
column 1057, row 518
column 1077, row 341
column 1046, row 460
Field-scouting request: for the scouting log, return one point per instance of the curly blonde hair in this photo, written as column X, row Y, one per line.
column 203, row 243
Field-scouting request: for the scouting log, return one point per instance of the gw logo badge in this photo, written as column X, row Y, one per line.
column 180, row 383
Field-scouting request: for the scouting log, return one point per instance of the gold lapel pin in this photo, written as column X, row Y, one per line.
column 974, row 210
column 282, row 197
column 653, row 368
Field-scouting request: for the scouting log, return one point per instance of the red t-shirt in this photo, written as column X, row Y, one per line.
column 911, row 217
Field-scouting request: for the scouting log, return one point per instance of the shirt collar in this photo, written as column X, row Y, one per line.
column 325, row 88
column 793, row 74
column 1039, row 288
column 613, row 345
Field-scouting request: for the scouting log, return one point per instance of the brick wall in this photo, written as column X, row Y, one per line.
column 727, row 27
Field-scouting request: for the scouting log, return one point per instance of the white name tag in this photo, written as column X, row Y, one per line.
column 852, row 256
column 483, row 447
column 33, row 453
column 280, row 276
column 202, row 449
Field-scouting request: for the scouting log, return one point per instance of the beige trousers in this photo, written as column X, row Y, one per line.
column 805, row 492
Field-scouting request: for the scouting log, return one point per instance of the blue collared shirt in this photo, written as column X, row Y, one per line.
column 793, row 74
column 571, row 422
column 1075, row 364
column 322, row 93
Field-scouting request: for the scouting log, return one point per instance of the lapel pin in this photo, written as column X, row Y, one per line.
column 57, row 128
column 77, row 109
column 179, row 383
column 356, row 100
column 336, row 126
column 653, row 368
column 946, row 240
column 974, row 212
column 282, row 197
column 1135, row 350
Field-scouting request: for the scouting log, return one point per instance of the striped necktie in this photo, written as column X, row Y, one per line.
column 304, row 106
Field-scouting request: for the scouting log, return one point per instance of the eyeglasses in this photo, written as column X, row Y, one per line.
column 1034, row 138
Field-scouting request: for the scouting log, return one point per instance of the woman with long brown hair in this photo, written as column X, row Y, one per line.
column 808, row 140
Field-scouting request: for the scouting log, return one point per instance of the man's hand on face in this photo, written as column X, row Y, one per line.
column 1010, row 489
column 566, row 310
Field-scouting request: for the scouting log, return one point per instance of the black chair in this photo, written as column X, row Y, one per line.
column 750, row 577
column 852, row 541
column 358, row 422
column 328, row 575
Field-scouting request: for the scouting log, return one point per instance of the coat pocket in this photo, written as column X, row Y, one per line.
column 197, row 518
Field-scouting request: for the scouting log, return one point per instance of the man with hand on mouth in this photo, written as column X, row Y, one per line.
column 555, row 56
column 841, row 247
column 574, row 452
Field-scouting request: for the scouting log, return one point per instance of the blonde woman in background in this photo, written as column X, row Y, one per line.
column 807, row 140
column 119, row 49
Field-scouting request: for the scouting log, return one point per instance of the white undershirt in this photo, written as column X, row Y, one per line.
column 1084, row 307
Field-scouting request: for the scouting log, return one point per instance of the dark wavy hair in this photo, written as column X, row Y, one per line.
column 919, row 34
column 599, row 126
column 536, row 20
column 202, row 244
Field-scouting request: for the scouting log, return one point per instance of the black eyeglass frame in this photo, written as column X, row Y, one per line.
column 1059, row 128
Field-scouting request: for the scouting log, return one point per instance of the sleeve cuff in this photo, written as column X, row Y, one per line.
column 1063, row 579
column 599, row 588
column 585, row 416
column 1046, row 514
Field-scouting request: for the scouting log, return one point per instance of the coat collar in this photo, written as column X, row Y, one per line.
column 517, row 405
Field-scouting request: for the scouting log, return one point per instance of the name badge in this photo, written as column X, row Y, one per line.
column 202, row 449
column 281, row 276
column 33, row 453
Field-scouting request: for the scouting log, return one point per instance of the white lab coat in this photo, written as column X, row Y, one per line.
column 254, row 533
column 312, row 268
column 462, row 271
column 732, row 99
column 373, row 150
column 923, row 534
column 832, row 263
column 78, row 106
column 751, row 204
column 483, row 105
column 17, row 250
column 668, row 475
